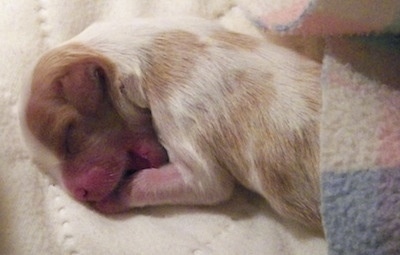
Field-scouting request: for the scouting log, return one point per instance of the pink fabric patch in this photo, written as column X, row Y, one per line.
column 386, row 72
column 389, row 133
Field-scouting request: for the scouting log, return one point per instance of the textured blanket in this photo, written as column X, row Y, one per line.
column 39, row 218
column 360, row 131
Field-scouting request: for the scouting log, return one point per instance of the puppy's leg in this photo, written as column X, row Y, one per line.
column 173, row 183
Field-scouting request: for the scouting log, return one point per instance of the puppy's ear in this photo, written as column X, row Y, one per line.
column 84, row 86
column 76, row 74
column 67, row 84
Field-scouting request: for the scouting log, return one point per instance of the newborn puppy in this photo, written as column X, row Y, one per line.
column 177, row 111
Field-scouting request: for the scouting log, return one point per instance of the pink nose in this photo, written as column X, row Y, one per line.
column 93, row 184
column 87, row 195
column 81, row 194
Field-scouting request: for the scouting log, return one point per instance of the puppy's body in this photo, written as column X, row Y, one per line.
column 224, row 106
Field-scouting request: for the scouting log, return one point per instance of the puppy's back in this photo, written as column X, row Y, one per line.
column 249, row 107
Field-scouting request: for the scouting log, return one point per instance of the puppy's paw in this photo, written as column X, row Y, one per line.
column 152, row 186
column 146, row 187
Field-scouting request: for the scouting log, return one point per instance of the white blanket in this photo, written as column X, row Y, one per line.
column 39, row 218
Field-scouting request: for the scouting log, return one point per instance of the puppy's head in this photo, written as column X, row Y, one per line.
column 74, row 130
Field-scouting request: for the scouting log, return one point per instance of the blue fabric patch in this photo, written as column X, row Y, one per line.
column 361, row 212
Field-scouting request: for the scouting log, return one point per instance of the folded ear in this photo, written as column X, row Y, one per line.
column 84, row 86
column 77, row 74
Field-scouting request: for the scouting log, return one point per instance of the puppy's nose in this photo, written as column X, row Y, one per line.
column 93, row 183
column 81, row 194
column 87, row 195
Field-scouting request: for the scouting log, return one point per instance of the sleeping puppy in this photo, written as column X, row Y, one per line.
column 176, row 111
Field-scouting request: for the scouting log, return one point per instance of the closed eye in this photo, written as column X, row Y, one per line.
column 68, row 147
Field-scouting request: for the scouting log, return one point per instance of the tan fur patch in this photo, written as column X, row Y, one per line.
column 247, row 140
column 236, row 41
column 292, row 175
column 171, row 57
column 247, row 97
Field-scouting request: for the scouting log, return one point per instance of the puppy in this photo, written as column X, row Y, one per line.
column 176, row 111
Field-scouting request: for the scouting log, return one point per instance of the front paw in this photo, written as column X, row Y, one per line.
column 152, row 186
column 133, row 192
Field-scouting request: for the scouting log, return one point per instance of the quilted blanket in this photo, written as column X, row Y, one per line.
column 37, row 217
column 360, row 131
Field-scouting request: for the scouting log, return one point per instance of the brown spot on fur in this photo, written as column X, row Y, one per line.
column 240, row 115
column 236, row 41
column 171, row 57
column 245, row 139
column 293, row 165
column 292, row 175
column 48, row 112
